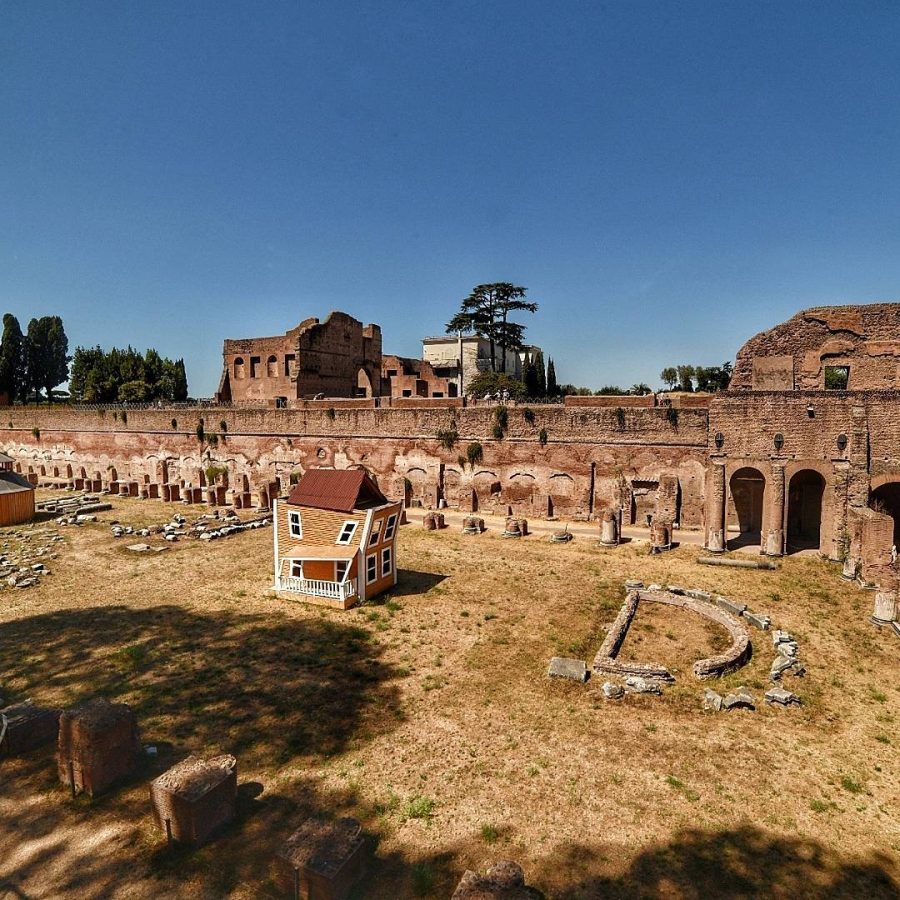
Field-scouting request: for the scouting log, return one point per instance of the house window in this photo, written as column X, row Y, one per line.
column 389, row 528
column 348, row 529
column 376, row 530
column 837, row 378
column 296, row 568
column 387, row 561
column 295, row 524
column 371, row 568
column 340, row 569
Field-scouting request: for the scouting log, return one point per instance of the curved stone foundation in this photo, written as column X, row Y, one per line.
column 715, row 666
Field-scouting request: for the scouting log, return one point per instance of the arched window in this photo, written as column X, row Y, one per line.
column 272, row 367
column 239, row 367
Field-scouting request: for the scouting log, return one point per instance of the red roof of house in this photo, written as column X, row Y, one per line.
column 342, row 490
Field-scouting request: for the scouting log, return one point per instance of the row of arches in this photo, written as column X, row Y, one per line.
column 804, row 496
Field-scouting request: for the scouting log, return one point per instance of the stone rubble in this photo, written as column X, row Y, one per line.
column 782, row 697
column 613, row 691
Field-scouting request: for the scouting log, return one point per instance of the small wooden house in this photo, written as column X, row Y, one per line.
column 335, row 539
column 16, row 494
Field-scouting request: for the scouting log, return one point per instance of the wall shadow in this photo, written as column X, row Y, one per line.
column 409, row 581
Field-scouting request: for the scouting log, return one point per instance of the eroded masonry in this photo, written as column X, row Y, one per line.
column 803, row 451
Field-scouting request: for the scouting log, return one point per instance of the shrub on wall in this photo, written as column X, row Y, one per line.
column 474, row 453
column 174, row 424
column 497, row 432
column 447, row 437
column 201, row 434
column 542, row 436
column 528, row 415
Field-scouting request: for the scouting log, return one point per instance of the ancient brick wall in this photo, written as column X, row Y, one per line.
column 339, row 357
column 588, row 461
column 794, row 354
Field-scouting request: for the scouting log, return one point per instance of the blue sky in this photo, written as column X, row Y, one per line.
column 666, row 178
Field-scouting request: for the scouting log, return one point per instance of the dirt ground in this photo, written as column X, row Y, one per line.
column 430, row 718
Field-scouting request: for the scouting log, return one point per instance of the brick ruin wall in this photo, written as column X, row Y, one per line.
column 590, row 459
column 793, row 355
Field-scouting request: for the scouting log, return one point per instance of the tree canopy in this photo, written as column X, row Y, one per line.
column 486, row 312
column 126, row 376
column 46, row 354
column 700, row 378
column 13, row 362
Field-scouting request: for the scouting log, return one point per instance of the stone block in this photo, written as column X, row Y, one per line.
column 730, row 606
column 697, row 594
column 712, row 700
column 321, row 860
column 503, row 881
column 613, row 691
column 26, row 727
column 639, row 685
column 782, row 697
column 758, row 620
column 739, row 699
column 99, row 745
column 561, row 667
column 195, row 798
column 632, row 584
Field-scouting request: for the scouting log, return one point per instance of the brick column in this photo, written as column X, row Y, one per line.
column 715, row 508
column 774, row 545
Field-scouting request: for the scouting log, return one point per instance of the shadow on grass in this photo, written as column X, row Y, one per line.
column 276, row 692
column 743, row 862
column 410, row 581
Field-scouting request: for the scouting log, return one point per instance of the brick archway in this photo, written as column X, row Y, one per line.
column 747, row 488
column 806, row 491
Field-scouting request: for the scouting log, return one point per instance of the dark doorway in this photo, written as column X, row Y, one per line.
column 887, row 499
column 747, row 488
column 804, row 525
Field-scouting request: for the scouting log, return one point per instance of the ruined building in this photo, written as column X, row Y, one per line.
column 405, row 377
column 339, row 357
column 802, row 451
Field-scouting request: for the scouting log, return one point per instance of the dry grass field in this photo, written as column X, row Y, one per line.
column 430, row 718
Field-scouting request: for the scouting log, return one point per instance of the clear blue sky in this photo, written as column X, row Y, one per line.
column 665, row 178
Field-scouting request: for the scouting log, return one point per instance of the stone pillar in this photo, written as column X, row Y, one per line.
column 774, row 545
column 609, row 535
column 885, row 610
column 715, row 508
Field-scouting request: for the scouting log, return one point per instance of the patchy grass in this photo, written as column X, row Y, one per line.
column 429, row 717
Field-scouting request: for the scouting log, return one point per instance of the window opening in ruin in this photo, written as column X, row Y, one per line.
column 289, row 364
column 387, row 561
column 348, row 529
column 391, row 373
column 407, row 394
column 272, row 367
column 255, row 362
column 389, row 528
column 837, row 378
column 371, row 568
column 239, row 367
column 747, row 489
column 296, row 525
column 281, row 403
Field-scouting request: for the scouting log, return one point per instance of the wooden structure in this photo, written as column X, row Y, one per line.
column 335, row 539
column 16, row 494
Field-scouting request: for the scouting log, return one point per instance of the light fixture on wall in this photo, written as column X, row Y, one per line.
column 778, row 441
column 720, row 440
column 842, row 442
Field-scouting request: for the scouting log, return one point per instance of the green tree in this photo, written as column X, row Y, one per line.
column 486, row 313
column 13, row 380
column 541, row 376
column 492, row 383
column 685, row 377
column 47, row 349
column 669, row 376
column 640, row 389
column 552, row 386
column 532, row 388
column 610, row 390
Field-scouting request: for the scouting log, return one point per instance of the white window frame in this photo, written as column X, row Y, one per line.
column 372, row 569
column 376, row 532
column 341, row 574
column 296, row 564
column 295, row 525
column 344, row 537
column 390, row 527
column 387, row 554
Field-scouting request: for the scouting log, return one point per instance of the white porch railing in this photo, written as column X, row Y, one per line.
column 334, row 590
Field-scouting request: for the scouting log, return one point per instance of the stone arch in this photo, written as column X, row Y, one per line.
column 885, row 496
column 747, row 488
column 240, row 370
column 805, row 495
column 363, row 383
column 451, row 486
column 272, row 366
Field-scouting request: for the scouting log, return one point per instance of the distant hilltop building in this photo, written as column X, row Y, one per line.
column 339, row 357
column 463, row 358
